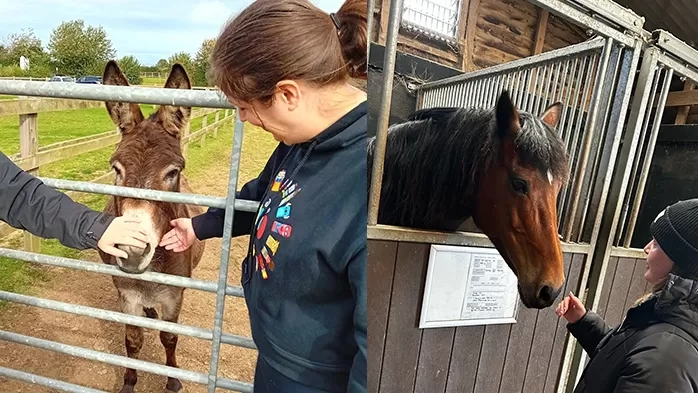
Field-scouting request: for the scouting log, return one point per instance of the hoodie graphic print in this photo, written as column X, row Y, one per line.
column 272, row 224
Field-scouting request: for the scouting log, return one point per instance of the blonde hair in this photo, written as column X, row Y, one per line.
column 660, row 285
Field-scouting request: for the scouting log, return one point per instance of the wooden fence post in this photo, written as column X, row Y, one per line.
column 29, row 146
column 185, row 145
column 215, row 129
column 204, row 123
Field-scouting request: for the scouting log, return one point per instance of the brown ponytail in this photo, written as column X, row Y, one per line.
column 273, row 40
column 353, row 35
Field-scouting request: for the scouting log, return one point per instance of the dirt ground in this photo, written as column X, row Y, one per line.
column 97, row 290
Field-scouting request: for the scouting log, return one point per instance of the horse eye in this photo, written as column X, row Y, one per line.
column 520, row 186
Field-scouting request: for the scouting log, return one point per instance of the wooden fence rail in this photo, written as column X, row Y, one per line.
column 32, row 157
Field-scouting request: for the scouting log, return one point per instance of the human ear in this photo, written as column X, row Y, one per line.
column 289, row 93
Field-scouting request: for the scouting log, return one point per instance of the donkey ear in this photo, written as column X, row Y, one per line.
column 507, row 116
column 551, row 116
column 174, row 118
column 125, row 115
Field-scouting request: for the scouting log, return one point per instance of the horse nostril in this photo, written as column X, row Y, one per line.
column 545, row 294
column 146, row 250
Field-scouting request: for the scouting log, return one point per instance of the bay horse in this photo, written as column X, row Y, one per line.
column 501, row 166
column 149, row 155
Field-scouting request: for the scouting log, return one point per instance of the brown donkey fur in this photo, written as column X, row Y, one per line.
column 150, row 156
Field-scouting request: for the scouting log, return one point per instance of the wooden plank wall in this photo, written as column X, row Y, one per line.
column 623, row 285
column 490, row 32
column 521, row 357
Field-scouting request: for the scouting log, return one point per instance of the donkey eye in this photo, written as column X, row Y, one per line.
column 172, row 174
column 520, row 185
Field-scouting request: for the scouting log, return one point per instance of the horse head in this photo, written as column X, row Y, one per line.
column 517, row 199
column 148, row 156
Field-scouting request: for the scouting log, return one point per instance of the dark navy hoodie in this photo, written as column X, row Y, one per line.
column 305, row 274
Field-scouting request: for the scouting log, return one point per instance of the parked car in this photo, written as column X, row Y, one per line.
column 94, row 80
column 61, row 78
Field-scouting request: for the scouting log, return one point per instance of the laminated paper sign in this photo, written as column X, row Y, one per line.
column 468, row 286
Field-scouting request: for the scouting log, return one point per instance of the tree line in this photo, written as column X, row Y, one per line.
column 78, row 49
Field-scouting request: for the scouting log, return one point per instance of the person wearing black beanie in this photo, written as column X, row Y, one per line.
column 655, row 348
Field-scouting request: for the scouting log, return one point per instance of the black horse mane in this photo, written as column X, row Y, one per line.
column 435, row 159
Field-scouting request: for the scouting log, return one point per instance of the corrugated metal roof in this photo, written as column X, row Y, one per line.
column 679, row 17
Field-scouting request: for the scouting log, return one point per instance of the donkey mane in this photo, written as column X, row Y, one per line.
column 435, row 160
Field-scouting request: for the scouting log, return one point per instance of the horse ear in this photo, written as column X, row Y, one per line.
column 125, row 115
column 507, row 116
column 174, row 118
column 551, row 116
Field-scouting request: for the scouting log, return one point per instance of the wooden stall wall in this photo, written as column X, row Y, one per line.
column 490, row 32
column 624, row 283
column 508, row 358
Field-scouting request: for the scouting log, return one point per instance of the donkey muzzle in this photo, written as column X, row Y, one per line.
column 137, row 259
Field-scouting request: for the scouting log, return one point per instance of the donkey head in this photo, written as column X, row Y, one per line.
column 148, row 156
column 518, row 199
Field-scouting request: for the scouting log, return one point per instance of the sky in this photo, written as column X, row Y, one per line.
column 147, row 30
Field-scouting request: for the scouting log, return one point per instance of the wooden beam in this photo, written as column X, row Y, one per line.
column 415, row 43
column 682, row 98
column 461, row 32
column 541, row 30
column 682, row 113
column 384, row 18
column 470, row 28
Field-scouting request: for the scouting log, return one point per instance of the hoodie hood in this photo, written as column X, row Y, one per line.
column 677, row 304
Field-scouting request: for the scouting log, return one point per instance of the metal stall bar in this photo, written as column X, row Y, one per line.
column 112, row 316
column 648, row 156
column 597, row 144
column 615, row 183
column 571, row 13
column 132, row 94
column 573, row 358
column 225, row 255
column 624, row 17
column 636, row 163
column 671, row 44
column 48, row 382
column 369, row 26
column 521, row 64
column 576, row 191
column 381, row 141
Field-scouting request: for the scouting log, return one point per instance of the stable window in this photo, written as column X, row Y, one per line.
column 435, row 18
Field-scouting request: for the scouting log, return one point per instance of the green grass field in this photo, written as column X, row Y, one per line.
column 18, row 276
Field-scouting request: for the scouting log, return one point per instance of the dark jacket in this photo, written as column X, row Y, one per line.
column 655, row 349
column 305, row 273
column 27, row 203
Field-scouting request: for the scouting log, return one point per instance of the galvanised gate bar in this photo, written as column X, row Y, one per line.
column 144, row 95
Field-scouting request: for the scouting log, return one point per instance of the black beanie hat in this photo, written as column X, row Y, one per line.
column 676, row 231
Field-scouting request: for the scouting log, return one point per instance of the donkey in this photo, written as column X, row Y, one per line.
column 150, row 156
column 502, row 167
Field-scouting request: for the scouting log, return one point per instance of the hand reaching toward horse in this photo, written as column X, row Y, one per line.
column 571, row 308
column 179, row 238
column 125, row 231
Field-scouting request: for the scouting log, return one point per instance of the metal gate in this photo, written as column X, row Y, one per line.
column 156, row 96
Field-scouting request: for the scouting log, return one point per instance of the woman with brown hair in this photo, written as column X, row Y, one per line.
column 655, row 349
column 287, row 66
